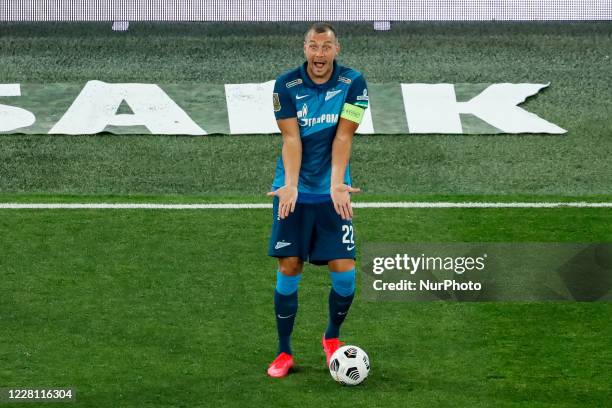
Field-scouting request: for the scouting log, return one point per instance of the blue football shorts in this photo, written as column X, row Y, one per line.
column 313, row 232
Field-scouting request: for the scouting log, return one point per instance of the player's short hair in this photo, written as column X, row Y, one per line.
column 321, row 27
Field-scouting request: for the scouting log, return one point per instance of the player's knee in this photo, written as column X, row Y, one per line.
column 287, row 285
column 341, row 265
column 343, row 282
column 290, row 266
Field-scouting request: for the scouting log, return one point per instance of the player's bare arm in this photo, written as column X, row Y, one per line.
column 341, row 153
column 292, row 159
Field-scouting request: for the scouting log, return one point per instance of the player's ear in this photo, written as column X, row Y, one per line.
column 337, row 48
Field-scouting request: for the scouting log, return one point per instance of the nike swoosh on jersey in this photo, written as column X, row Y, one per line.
column 331, row 94
column 350, row 248
column 300, row 97
column 284, row 317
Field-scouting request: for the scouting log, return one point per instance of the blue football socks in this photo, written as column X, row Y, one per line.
column 340, row 299
column 285, row 308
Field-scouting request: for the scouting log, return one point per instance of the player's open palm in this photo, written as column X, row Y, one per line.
column 287, row 198
column 341, row 197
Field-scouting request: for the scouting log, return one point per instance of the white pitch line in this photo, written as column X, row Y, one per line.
column 483, row 205
column 219, row 206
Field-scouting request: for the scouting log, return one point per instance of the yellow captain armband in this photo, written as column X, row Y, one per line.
column 352, row 113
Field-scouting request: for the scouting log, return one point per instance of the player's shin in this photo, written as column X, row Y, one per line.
column 285, row 309
column 340, row 300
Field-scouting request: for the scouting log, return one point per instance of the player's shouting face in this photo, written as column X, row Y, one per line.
column 320, row 50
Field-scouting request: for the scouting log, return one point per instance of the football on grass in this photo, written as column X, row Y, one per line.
column 349, row 365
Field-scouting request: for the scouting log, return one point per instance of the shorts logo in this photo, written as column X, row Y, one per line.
column 276, row 102
column 281, row 244
column 350, row 247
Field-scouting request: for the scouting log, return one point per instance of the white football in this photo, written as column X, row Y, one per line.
column 349, row 365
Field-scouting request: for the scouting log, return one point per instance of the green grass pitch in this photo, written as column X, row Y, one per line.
column 152, row 308
column 143, row 308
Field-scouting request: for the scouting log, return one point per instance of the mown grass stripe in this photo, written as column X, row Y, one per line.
column 222, row 206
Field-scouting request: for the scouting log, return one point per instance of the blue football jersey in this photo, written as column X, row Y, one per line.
column 317, row 108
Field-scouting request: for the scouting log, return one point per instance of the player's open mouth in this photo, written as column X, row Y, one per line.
column 319, row 65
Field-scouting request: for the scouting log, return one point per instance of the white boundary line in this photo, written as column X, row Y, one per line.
column 219, row 206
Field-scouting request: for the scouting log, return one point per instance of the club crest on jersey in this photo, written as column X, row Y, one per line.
column 331, row 94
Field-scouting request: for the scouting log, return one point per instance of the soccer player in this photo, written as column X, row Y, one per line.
column 318, row 107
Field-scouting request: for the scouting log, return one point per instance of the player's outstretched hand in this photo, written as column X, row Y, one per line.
column 341, row 197
column 287, row 197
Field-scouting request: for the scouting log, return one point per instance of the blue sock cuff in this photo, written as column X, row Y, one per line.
column 343, row 282
column 286, row 285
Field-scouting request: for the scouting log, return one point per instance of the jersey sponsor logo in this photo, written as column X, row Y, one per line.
column 331, row 94
column 276, row 102
column 300, row 96
column 281, row 244
column 302, row 112
column 325, row 118
column 293, row 83
column 344, row 79
column 363, row 97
